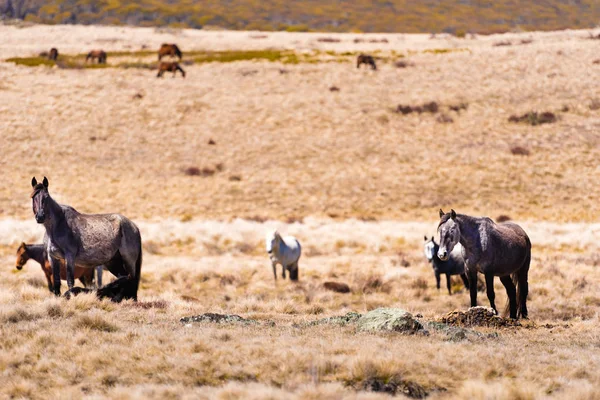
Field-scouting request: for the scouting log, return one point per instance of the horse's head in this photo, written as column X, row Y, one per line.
column 272, row 241
column 40, row 197
column 449, row 231
column 21, row 257
column 430, row 248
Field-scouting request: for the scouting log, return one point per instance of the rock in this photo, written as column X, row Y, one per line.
column 338, row 287
column 477, row 316
column 217, row 318
column 343, row 320
column 389, row 319
column 393, row 385
column 453, row 333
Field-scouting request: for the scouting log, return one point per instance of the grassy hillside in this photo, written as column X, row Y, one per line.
column 454, row 16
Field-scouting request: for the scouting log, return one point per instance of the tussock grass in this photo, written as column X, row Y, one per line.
column 95, row 322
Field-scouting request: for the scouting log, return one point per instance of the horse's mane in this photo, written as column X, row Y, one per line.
column 36, row 189
column 445, row 219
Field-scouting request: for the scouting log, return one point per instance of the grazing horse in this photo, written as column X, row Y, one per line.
column 37, row 252
column 492, row 249
column 167, row 49
column 169, row 67
column 367, row 60
column 99, row 55
column 53, row 54
column 285, row 251
column 454, row 266
column 87, row 240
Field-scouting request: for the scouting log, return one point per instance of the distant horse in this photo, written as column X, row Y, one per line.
column 169, row 67
column 285, row 251
column 454, row 266
column 367, row 60
column 87, row 240
column 99, row 55
column 37, row 252
column 167, row 49
column 492, row 249
column 53, row 54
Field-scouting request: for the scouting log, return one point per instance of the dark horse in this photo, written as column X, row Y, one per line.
column 492, row 249
column 53, row 54
column 37, row 252
column 169, row 67
column 99, row 55
column 88, row 240
column 367, row 60
column 167, row 49
column 455, row 265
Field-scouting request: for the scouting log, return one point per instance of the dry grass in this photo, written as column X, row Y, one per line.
column 282, row 357
column 304, row 154
column 272, row 123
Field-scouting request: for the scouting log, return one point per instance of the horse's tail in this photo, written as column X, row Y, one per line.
column 178, row 52
column 138, row 269
column 519, row 282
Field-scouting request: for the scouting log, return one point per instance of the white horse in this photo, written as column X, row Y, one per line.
column 285, row 251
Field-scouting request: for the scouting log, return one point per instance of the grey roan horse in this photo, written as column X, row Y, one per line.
column 455, row 265
column 502, row 250
column 88, row 240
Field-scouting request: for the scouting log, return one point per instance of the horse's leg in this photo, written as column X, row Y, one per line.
column 99, row 270
column 473, row 286
column 274, row 264
column 437, row 279
column 283, row 271
column 465, row 280
column 294, row 271
column 70, row 260
column 511, row 291
column 55, row 264
column 448, row 284
column 523, row 287
column 48, row 273
column 489, row 287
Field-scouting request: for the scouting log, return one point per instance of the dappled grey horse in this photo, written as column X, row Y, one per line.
column 88, row 240
column 492, row 249
column 455, row 265
column 285, row 251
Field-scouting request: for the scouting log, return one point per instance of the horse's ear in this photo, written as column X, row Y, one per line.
column 452, row 214
column 425, row 237
column 33, row 182
column 442, row 213
column 45, row 182
column 433, row 239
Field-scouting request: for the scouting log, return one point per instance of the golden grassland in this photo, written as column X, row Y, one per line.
column 357, row 182
column 86, row 347
column 288, row 146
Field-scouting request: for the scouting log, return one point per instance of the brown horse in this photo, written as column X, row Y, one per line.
column 167, row 49
column 169, row 67
column 99, row 55
column 53, row 55
column 37, row 252
column 367, row 60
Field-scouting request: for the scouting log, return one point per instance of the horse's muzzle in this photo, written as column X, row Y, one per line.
column 443, row 256
column 269, row 251
column 19, row 267
column 40, row 218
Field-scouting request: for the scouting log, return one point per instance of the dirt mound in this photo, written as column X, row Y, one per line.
column 338, row 287
column 477, row 316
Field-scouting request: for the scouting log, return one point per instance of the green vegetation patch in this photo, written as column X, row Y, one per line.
column 31, row 61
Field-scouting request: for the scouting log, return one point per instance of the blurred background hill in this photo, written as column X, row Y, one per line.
column 452, row 16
